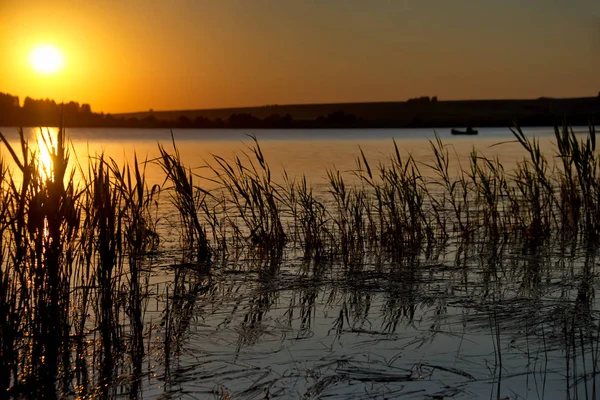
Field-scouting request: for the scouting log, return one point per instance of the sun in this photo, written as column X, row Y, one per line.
column 46, row 59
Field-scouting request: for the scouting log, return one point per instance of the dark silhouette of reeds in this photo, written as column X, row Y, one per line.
column 255, row 203
column 77, row 253
column 188, row 199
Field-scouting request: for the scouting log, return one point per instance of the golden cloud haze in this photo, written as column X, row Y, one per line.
column 136, row 55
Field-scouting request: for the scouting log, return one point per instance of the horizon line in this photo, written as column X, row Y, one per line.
column 346, row 103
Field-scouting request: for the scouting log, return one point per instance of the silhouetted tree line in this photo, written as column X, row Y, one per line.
column 46, row 112
column 417, row 112
column 423, row 100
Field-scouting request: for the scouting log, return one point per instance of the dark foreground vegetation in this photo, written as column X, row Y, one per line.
column 418, row 112
column 80, row 244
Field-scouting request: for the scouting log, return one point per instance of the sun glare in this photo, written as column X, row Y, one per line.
column 46, row 140
column 46, row 59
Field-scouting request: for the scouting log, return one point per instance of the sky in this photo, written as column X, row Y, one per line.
column 135, row 55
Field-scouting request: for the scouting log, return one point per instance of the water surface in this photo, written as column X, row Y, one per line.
column 299, row 152
column 489, row 318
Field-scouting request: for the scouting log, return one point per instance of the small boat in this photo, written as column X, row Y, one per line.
column 469, row 131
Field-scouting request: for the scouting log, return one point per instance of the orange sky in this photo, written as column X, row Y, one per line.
column 135, row 55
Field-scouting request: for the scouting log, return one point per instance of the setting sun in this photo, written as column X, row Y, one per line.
column 46, row 59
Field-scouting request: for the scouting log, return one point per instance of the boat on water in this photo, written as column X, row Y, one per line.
column 468, row 131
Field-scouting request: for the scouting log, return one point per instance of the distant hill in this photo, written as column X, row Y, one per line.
column 419, row 112
column 423, row 111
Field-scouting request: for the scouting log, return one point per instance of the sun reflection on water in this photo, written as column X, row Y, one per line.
column 46, row 139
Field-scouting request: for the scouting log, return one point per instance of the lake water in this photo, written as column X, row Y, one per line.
column 491, row 318
column 308, row 152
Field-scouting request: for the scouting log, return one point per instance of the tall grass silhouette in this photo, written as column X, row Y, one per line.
column 76, row 255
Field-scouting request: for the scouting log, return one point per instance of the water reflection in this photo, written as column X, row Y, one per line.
column 485, row 317
column 46, row 141
column 314, row 152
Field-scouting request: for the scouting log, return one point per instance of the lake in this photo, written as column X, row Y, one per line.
column 308, row 152
column 464, row 293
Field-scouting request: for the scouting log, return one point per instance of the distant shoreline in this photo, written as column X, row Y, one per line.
column 314, row 110
column 424, row 112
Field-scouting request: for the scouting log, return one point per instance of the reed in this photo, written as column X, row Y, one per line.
column 188, row 199
column 312, row 220
column 454, row 191
column 404, row 197
column 106, row 224
column 44, row 223
column 140, row 237
column 76, row 255
column 255, row 202
column 348, row 218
